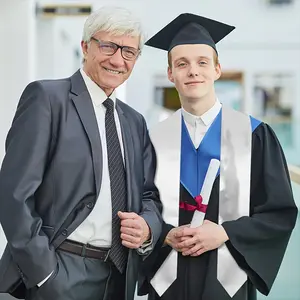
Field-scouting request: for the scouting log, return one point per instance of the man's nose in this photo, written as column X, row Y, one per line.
column 193, row 70
column 117, row 60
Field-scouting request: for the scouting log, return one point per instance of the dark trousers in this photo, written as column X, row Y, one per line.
column 81, row 278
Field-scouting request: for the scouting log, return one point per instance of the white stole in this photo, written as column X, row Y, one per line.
column 166, row 138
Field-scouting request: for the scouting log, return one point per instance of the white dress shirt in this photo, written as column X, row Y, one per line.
column 96, row 229
column 198, row 125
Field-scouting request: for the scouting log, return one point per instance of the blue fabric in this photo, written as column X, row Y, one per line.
column 195, row 162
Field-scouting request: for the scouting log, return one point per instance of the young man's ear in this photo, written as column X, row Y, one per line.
column 218, row 71
column 170, row 76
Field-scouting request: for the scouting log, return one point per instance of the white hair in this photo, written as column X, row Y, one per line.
column 115, row 20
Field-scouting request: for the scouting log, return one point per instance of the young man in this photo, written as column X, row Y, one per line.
column 251, row 212
column 78, row 201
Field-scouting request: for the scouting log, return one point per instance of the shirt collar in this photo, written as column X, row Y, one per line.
column 98, row 96
column 207, row 118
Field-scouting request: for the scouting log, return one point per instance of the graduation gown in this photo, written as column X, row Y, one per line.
column 257, row 243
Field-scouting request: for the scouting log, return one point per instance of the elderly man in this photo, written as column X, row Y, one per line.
column 78, row 202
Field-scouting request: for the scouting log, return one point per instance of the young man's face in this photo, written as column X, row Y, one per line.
column 193, row 70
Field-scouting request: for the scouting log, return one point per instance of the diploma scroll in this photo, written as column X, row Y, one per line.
column 210, row 177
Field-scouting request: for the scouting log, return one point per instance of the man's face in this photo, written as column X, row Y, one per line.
column 193, row 70
column 108, row 71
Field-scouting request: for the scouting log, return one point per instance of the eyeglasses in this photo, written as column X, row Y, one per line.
column 110, row 48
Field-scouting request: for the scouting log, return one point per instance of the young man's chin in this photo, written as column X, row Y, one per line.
column 194, row 97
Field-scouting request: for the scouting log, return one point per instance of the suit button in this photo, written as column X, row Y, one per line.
column 64, row 232
column 90, row 205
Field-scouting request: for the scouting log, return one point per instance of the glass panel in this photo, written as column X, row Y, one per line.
column 288, row 135
column 287, row 285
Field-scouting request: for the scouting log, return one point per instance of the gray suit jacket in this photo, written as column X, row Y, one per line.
column 51, row 177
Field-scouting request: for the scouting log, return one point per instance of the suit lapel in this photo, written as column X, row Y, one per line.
column 128, row 151
column 84, row 106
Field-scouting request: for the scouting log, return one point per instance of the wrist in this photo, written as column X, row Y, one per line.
column 225, row 236
column 167, row 241
column 147, row 233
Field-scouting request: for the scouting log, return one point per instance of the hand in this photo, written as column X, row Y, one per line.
column 175, row 237
column 134, row 230
column 206, row 237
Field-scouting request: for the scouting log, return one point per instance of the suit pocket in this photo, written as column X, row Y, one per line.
column 50, row 279
column 50, row 286
column 48, row 230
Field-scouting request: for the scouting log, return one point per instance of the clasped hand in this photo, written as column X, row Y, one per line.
column 134, row 230
column 196, row 241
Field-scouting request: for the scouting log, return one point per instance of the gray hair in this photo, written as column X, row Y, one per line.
column 115, row 20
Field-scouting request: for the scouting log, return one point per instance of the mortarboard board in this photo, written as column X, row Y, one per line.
column 190, row 29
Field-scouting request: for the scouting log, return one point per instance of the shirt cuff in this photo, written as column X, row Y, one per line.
column 42, row 282
column 146, row 247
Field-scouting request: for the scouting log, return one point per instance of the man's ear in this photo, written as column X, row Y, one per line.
column 84, row 48
column 170, row 76
column 218, row 71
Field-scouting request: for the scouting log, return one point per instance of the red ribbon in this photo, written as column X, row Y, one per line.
column 199, row 206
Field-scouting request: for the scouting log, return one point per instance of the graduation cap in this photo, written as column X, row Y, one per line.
column 190, row 29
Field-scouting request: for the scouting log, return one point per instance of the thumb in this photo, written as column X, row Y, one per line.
column 127, row 215
column 206, row 222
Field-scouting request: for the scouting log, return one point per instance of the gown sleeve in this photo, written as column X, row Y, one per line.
column 258, row 242
column 152, row 263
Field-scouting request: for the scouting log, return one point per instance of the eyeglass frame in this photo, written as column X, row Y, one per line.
column 99, row 42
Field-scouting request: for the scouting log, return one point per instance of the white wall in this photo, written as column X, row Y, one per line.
column 17, row 62
column 266, row 39
column 57, row 40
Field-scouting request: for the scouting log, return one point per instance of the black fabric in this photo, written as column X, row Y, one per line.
column 118, row 253
column 190, row 29
column 257, row 243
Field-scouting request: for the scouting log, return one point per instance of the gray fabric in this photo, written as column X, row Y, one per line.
column 79, row 278
column 51, row 177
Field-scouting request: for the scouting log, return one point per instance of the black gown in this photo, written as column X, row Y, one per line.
column 257, row 243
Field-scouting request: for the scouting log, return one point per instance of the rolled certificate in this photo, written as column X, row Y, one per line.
column 210, row 177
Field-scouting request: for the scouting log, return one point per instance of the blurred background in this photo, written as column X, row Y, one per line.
column 260, row 62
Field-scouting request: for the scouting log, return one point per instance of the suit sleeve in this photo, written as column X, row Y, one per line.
column 21, row 174
column 258, row 242
column 151, row 204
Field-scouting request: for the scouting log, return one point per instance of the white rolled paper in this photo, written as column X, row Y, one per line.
column 209, row 180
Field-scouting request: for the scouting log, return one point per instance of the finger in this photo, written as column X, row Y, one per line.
column 190, row 231
column 186, row 225
column 207, row 222
column 187, row 243
column 127, row 215
column 184, row 238
column 199, row 252
column 130, row 224
column 186, row 231
column 132, row 231
column 186, row 249
column 130, row 238
column 192, row 250
column 130, row 245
